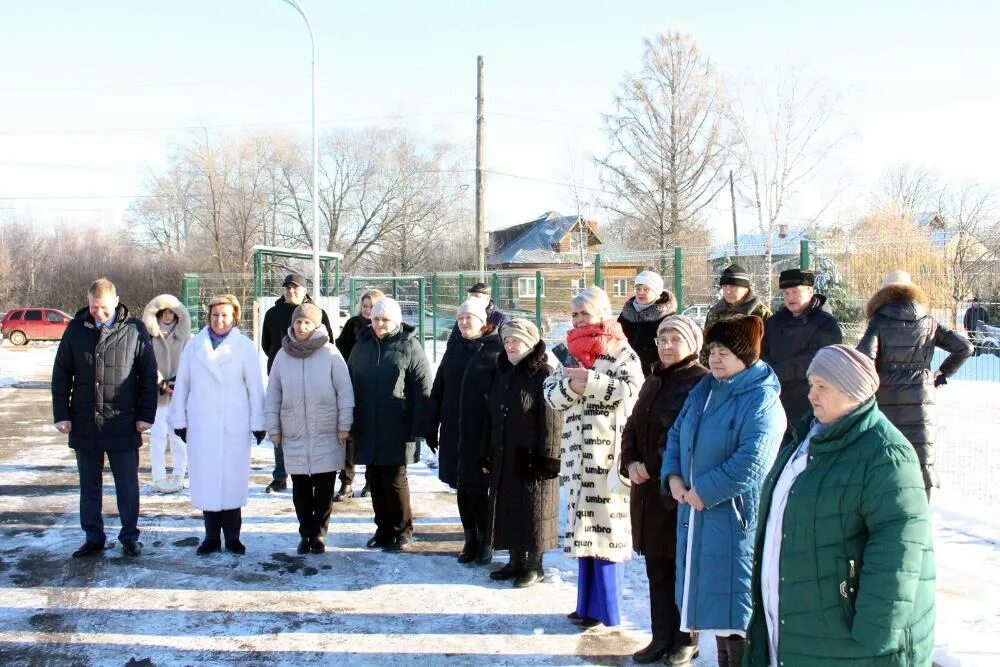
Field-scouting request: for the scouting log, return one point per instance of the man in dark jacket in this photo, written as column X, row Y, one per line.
column 104, row 397
column 277, row 319
column 793, row 336
column 975, row 317
column 494, row 315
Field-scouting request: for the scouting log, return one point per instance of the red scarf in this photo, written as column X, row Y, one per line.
column 586, row 343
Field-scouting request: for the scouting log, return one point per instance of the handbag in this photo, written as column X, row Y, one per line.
column 618, row 483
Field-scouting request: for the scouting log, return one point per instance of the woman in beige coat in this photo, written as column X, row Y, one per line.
column 309, row 408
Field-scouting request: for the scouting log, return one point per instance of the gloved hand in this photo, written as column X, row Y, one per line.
column 258, row 435
column 546, row 467
column 940, row 380
column 181, row 433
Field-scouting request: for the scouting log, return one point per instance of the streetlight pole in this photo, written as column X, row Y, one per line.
column 315, row 159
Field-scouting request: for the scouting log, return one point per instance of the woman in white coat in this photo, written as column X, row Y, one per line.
column 310, row 408
column 595, row 391
column 218, row 403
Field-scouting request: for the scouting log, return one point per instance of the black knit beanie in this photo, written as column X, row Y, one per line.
column 735, row 274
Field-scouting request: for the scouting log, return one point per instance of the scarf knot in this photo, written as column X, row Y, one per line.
column 589, row 342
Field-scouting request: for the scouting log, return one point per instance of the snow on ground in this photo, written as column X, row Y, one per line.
column 273, row 606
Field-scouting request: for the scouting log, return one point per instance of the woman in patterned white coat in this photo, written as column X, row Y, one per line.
column 595, row 391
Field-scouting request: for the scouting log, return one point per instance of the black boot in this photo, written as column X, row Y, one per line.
column 213, row 525
column 532, row 571
column 232, row 521
column 685, row 650
column 468, row 553
column 484, row 551
column 511, row 569
column 653, row 652
column 736, row 644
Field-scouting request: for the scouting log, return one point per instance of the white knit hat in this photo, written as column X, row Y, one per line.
column 596, row 301
column 389, row 309
column 475, row 307
column 652, row 280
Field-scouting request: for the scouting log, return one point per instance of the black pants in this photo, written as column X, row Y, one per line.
column 473, row 508
column 390, row 491
column 347, row 474
column 664, row 616
column 312, row 496
column 228, row 522
column 125, row 469
column 279, row 474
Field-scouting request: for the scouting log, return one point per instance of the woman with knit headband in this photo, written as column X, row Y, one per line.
column 844, row 573
column 596, row 397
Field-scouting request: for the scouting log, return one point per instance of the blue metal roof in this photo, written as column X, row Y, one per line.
column 536, row 244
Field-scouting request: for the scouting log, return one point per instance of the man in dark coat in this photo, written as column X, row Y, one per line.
column 277, row 319
column 975, row 317
column 494, row 315
column 737, row 299
column 793, row 336
column 642, row 314
column 104, row 397
column 901, row 337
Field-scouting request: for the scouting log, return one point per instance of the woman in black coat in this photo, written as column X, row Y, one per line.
column 523, row 458
column 642, row 314
column 654, row 517
column 901, row 338
column 457, row 413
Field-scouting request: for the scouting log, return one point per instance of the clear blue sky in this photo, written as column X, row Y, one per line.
column 92, row 94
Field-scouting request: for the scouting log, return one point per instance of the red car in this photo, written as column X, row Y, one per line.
column 21, row 325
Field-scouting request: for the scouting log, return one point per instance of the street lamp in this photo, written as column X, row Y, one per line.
column 315, row 159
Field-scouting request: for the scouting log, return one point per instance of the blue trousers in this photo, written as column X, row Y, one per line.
column 125, row 469
column 598, row 593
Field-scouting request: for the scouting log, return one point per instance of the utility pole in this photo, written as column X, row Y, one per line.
column 732, row 200
column 480, row 176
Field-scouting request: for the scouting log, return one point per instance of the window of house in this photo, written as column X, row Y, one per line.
column 33, row 315
column 526, row 288
column 621, row 287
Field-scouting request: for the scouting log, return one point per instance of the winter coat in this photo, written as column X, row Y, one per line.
column 654, row 519
column 901, row 338
column 790, row 343
column 104, row 381
column 277, row 319
column 392, row 384
column 722, row 310
column 307, row 402
column 349, row 334
column 219, row 399
column 494, row 316
column 598, row 522
column 973, row 317
column 167, row 346
column 722, row 450
column 523, row 456
column 458, row 407
column 857, row 554
column 640, row 326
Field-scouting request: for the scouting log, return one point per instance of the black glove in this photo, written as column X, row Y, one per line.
column 258, row 435
column 181, row 433
column 940, row 380
column 546, row 467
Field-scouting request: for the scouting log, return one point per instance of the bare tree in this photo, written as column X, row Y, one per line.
column 784, row 133
column 911, row 188
column 970, row 212
column 667, row 140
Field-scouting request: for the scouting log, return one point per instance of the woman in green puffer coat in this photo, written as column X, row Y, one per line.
column 844, row 566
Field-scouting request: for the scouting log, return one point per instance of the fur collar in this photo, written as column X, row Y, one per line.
column 898, row 293
column 163, row 302
column 656, row 311
column 531, row 365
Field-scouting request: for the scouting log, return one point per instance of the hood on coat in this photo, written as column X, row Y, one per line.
column 909, row 302
column 533, row 362
column 165, row 302
column 656, row 311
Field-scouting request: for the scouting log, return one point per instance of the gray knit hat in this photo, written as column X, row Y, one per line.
column 389, row 309
column 846, row 369
column 475, row 307
column 596, row 301
column 686, row 327
column 309, row 311
column 521, row 329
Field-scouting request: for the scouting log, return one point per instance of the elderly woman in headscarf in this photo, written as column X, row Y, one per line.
column 718, row 452
column 901, row 337
column 523, row 456
column 641, row 316
column 595, row 391
column 845, row 566
column 654, row 519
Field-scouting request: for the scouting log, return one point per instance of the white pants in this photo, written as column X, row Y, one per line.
column 159, row 436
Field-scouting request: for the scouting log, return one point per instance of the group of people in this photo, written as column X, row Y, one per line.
column 775, row 480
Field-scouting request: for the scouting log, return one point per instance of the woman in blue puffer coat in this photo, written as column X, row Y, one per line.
column 718, row 451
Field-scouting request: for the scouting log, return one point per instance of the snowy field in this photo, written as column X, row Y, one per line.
column 273, row 606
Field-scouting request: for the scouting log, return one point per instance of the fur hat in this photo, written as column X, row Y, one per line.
column 475, row 307
column 479, row 288
column 389, row 309
column 734, row 274
column 309, row 311
column 521, row 329
column 652, row 280
column 686, row 327
column 795, row 278
column 897, row 278
column 740, row 334
column 596, row 301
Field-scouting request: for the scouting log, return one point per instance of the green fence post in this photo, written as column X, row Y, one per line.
column 597, row 269
column 495, row 289
column 421, row 309
column 351, row 295
column 804, row 253
column 538, row 299
column 461, row 289
column 395, row 289
column 258, row 274
column 189, row 295
column 679, row 277
column 434, row 310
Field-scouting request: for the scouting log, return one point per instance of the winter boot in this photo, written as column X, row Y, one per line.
column 736, row 644
column 468, row 553
column 685, row 650
column 213, row 525
column 532, row 571
column 484, row 552
column 511, row 569
column 232, row 520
